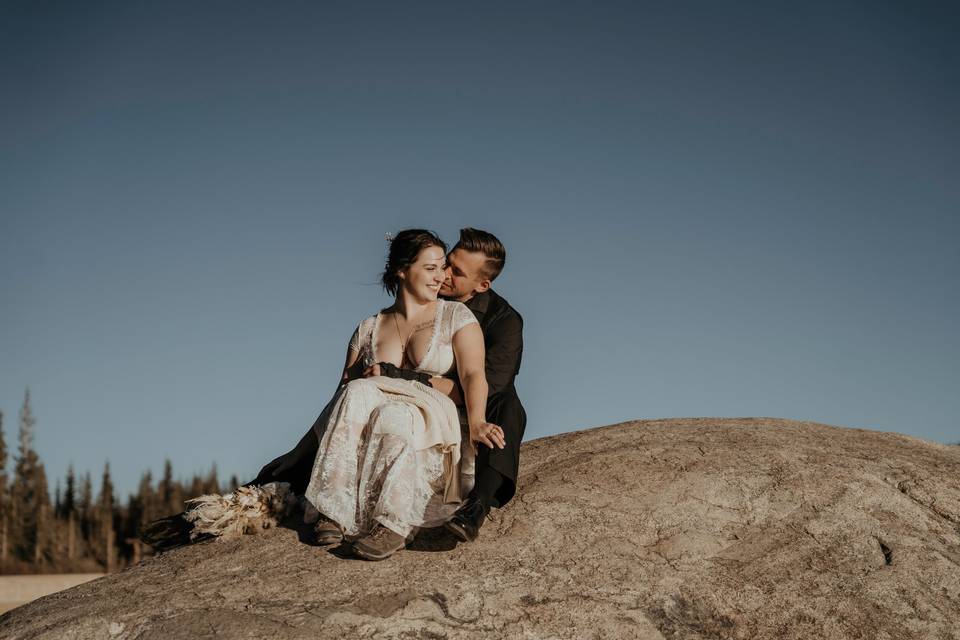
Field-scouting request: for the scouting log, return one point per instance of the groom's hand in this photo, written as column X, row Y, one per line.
column 489, row 434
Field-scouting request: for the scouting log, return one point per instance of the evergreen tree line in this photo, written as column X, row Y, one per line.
column 80, row 531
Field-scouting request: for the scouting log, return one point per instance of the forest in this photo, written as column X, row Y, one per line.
column 77, row 530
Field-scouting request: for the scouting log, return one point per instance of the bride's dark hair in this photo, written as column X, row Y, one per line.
column 404, row 249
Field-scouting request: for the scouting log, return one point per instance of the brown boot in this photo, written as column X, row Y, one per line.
column 379, row 544
column 327, row 531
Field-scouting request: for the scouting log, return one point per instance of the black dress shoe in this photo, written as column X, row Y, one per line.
column 167, row 533
column 467, row 520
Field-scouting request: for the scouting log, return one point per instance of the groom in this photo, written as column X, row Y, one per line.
column 475, row 261
column 472, row 265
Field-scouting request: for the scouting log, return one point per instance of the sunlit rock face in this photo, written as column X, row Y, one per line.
column 687, row 528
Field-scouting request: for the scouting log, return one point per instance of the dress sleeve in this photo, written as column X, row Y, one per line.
column 355, row 339
column 462, row 316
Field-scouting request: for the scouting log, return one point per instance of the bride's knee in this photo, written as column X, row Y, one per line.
column 360, row 385
column 393, row 418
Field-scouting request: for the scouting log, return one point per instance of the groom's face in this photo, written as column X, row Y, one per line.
column 465, row 275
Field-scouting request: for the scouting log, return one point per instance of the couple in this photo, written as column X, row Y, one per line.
column 426, row 425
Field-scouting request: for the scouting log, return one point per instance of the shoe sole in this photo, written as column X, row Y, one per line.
column 323, row 541
column 459, row 532
column 367, row 555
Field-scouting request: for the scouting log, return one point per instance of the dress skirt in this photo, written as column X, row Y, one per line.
column 367, row 470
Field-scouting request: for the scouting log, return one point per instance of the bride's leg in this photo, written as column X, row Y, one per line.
column 392, row 481
column 334, row 481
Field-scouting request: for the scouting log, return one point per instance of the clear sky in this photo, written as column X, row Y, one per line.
column 710, row 209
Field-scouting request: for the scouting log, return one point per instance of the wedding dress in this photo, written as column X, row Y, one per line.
column 391, row 450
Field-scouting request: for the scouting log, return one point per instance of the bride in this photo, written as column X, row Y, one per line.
column 390, row 457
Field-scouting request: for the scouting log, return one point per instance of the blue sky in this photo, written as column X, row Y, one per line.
column 734, row 209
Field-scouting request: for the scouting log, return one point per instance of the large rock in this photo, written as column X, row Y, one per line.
column 700, row 528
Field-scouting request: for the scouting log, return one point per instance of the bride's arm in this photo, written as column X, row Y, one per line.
column 468, row 351
column 352, row 367
column 310, row 441
column 448, row 387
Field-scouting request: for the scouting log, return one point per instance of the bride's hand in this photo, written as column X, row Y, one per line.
column 489, row 434
column 372, row 370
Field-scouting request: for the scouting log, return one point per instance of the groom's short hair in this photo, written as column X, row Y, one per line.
column 478, row 241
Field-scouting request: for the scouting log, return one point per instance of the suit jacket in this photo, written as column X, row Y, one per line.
column 502, row 330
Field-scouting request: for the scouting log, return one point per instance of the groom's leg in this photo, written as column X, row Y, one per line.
column 296, row 465
column 173, row 531
column 497, row 469
column 488, row 481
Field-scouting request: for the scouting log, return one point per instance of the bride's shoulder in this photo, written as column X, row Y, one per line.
column 368, row 322
column 451, row 304
column 363, row 333
column 456, row 315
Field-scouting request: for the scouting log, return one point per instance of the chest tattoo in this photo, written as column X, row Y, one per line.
column 423, row 325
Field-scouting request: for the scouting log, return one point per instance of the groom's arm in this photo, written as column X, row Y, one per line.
column 448, row 387
column 504, row 343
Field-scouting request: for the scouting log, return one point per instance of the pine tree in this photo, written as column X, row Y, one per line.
column 141, row 510
column 4, row 499
column 25, row 499
column 56, row 524
column 43, row 549
column 105, row 520
column 57, row 504
column 147, row 499
column 177, row 498
column 128, row 525
column 166, row 489
column 86, row 510
column 69, row 493
column 70, row 513
column 212, row 484
column 197, row 485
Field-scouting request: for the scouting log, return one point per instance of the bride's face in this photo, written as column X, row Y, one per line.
column 424, row 277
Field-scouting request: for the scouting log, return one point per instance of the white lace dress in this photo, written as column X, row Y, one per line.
column 368, row 468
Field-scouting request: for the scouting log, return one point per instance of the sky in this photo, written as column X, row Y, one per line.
column 709, row 209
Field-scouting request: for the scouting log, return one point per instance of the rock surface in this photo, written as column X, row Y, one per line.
column 688, row 528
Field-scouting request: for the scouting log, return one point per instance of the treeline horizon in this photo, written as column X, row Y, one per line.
column 79, row 531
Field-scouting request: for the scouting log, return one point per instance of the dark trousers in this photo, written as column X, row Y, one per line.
column 504, row 409
column 302, row 458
